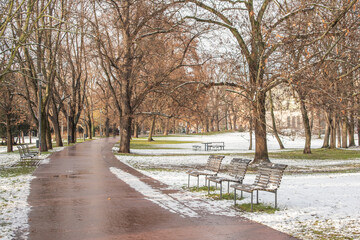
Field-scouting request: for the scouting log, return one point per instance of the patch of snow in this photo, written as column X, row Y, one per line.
column 14, row 208
column 311, row 206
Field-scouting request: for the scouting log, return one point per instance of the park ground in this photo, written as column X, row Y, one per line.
column 318, row 197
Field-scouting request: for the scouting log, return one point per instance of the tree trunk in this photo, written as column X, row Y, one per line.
column 261, row 151
column 351, row 128
column 274, row 122
column 9, row 137
column 327, row 133
column 72, row 129
column 152, row 128
column 90, row 127
column 166, row 129
column 358, row 128
column 114, row 130
column 319, row 119
column 333, row 132
column 55, row 122
column 344, row 123
column 107, row 127
column 48, row 135
column 125, row 134
column 250, row 132
column 43, row 144
column 217, row 121
column 307, row 128
column 136, row 130
column 338, row 132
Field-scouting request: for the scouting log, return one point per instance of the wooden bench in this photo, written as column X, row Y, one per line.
column 268, row 178
column 211, row 169
column 214, row 146
column 26, row 157
column 237, row 170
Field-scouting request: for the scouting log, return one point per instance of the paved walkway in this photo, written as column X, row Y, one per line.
column 76, row 196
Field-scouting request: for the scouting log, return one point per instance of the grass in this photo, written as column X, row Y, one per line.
column 200, row 189
column 246, row 207
column 317, row 154
column 143, row 143
column 225, row 196
column 17, row 171
column 212, row 133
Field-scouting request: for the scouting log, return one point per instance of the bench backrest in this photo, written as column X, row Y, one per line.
column 214, row 163
column 238, row 167
column 21, row 151
column 269, row 176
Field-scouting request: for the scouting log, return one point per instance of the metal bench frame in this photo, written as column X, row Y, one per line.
column 237, row 170
column 268, row 179
column 211, row 169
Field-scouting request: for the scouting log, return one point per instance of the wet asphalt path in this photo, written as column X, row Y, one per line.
column 76, row 196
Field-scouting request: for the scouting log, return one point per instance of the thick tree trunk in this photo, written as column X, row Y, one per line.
column 9, row 137
column 48, row 135
column 107, row 127
column 57, row 130
column 344, row 123
column 166, row 128
column 43, row 144
column 152, row 129
column 72, row 129
column 307, row 128
column 90, row 127
column 261, row 151
column 125, row 134
column 274, row 122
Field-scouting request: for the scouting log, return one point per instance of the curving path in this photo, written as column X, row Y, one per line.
column 76, row 196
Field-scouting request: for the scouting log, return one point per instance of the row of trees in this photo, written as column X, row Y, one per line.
column 138, row 61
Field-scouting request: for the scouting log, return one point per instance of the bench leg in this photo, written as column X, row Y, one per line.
column 257, row 196
column 276, row 199
column 251, row 201
column 220, row 190
column 188, row 180
column 209, row 186
column 228, row 187
column 198, row 182
column 234, row 196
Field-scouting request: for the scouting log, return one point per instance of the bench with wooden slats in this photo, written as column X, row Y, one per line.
column 268, row 179
column 211, row 169
column 237, row 170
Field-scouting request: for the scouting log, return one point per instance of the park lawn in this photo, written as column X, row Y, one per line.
column 143, row 143
column 317, row 154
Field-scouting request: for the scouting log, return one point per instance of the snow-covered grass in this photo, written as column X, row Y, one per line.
column 312, row 206
column 14, row 191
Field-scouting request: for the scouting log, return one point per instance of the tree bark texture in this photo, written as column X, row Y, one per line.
column 306, row 123
column 274, row 122
column 9, row 137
